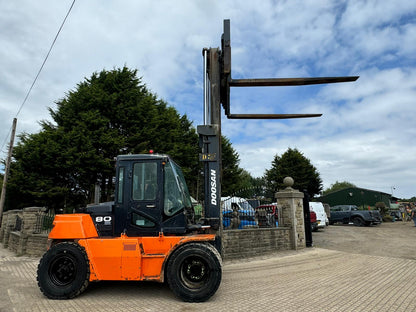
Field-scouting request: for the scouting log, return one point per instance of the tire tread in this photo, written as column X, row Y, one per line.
column 174, row 284
column 85, row 283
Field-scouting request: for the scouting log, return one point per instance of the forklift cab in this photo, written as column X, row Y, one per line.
column 151, row 196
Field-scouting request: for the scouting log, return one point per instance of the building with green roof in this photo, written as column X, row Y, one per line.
column 356, row 196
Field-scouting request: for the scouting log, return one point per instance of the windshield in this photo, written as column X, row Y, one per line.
column 176, row 191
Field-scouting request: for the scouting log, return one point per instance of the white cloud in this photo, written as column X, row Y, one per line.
column 368, row 140
column 361, row 14
column 366, row 135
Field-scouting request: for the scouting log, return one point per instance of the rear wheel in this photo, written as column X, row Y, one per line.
column 63, row 271
column 194, row 272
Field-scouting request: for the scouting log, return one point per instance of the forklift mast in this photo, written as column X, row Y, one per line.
column 217, row 83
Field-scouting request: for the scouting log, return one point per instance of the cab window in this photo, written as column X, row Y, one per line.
column 144, row 181
column 120, row 185
column 141, row 221
column 176, row 195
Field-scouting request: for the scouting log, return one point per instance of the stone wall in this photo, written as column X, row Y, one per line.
column 36, row 244
column 23, row 240
column 253, row 242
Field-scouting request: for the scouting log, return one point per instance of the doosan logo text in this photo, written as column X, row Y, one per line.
column 213, row 187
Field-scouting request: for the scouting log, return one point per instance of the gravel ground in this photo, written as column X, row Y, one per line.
column 390, row 239
column 349, row 269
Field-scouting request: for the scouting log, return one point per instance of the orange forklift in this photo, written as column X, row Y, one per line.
column 149, row 232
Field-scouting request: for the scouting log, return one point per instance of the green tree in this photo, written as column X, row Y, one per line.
column 234, row 178
column 338, row 186
column 293, row 164
column 252, row 187
column 35, row 176
column 108, row 114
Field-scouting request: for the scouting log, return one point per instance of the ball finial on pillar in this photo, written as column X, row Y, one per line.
column 288, row 182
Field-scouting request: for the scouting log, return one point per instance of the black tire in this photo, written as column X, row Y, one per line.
column 194, row 272
column 357, row 221
column 64, row 271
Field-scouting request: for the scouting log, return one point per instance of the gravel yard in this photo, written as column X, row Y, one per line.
column 390, row 239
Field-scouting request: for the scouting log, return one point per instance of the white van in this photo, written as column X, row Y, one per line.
column 321, row 217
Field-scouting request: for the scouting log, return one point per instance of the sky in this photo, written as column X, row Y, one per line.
column 366, row 135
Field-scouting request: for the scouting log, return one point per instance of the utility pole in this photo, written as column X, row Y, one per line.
column 6, row 170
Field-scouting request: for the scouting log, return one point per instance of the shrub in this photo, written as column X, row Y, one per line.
column 387, row 218
column 381, row 206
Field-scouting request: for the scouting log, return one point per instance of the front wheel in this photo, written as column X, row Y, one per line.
column 357, row 221
column 63, row 271
column 194, row 272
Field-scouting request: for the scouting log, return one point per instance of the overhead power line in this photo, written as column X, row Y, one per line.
column 40, row 70
column 46, row 58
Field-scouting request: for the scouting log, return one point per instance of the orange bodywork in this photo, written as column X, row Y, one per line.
column 120, row 258
column 73, row 226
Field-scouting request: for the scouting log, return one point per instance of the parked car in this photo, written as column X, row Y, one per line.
column 350, row 213
column 321, row 218
column 314, row 224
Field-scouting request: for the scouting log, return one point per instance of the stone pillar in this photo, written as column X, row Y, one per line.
column 291, row 201
column 29, row 219
column 30, row 215
column 3, row 226
column 7, row 225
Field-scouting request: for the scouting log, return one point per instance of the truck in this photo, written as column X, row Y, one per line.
column 149, row 233
column 350, row 213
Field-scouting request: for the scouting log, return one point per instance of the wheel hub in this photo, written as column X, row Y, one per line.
column 195, row 270
column 62, row 270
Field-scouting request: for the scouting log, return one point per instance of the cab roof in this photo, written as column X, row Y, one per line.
column 142, row 157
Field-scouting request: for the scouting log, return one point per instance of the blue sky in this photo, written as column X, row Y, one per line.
column 367, row 132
